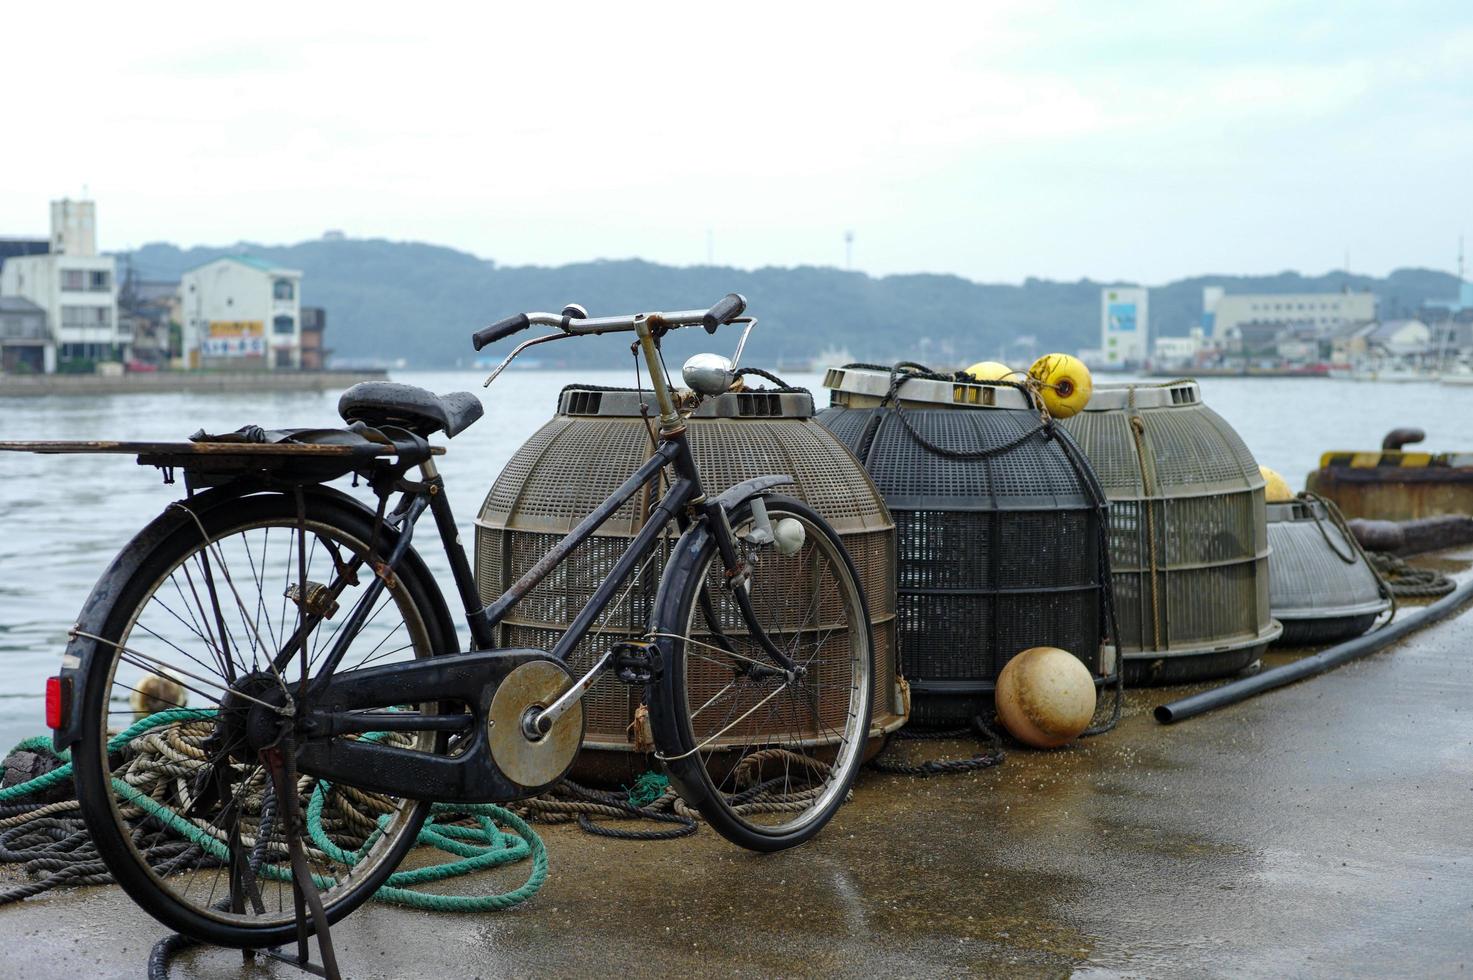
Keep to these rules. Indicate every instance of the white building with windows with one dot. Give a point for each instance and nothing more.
(240, 312)
(76, 287)
(1124, 326)
(1326, 312)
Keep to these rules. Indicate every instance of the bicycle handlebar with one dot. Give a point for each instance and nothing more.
(726, 309)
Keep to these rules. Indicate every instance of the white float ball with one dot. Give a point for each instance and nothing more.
(1045, 697)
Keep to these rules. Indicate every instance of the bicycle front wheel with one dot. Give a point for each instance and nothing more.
(767, 753)
(184, 816)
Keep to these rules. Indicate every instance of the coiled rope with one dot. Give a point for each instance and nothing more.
(50, 840)
(1407, 582)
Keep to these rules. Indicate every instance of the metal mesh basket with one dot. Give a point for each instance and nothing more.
(575, 461)
(1320, 587)
(1188, 542)
(997, 554)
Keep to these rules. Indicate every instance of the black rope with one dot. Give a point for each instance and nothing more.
(994, 756)
(686, 827)
(1408, 582)
(769, 376)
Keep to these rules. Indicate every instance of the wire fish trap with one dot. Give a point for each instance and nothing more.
(1188, 538)
(999, 552)
(569, 466)
(1320, 585)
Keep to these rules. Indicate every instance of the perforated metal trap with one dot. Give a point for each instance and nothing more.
(574, 462)
(1188, 541)
(1320, 587)
(997, 554)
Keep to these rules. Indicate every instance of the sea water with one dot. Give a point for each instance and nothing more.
(62, 518)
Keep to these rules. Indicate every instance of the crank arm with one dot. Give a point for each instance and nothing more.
(541, 723)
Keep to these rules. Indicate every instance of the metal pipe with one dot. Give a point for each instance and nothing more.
(1325, 660)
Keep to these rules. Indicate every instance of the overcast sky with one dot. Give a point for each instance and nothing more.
(991, 140)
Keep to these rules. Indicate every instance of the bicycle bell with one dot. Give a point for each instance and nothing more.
(708, 374)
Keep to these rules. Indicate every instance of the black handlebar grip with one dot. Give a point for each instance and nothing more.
(499, 330)
(729, 306)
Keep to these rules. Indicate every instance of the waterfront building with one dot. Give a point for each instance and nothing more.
(314, 323)
(242, 313)
(26, 346)
(1173, 351)
(1124, 326)
(77, 289)
(1229, 315)
(1377, 340)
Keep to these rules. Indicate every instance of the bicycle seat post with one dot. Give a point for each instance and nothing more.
(644, 327)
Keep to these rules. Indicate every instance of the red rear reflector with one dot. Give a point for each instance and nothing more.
(55, 705)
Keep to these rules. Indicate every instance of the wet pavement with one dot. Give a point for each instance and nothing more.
(1324, 829)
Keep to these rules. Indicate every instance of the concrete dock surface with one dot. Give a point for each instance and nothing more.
(1322, 830)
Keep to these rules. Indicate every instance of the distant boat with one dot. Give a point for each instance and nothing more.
(1459, 374)
(1394, 374)
(831, 357)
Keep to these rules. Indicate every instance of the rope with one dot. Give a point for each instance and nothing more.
(51, 842)
(1357, 552)
(768, 376)
(1407, 582)
(940, 767)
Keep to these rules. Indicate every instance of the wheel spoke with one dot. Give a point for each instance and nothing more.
(188, 798)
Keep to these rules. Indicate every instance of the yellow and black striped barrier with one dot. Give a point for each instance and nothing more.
(1394, 458)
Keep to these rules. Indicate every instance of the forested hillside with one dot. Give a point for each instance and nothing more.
(421, 302)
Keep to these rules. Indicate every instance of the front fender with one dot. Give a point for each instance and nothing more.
(76, 660)
(733, 497)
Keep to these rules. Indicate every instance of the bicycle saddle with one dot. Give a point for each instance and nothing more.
(422, 412)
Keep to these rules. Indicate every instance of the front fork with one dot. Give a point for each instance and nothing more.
(739, 573)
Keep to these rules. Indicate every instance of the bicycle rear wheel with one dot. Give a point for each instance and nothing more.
(766, 754)
(184, 816)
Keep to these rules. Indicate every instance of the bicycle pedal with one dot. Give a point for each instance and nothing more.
(636, 662)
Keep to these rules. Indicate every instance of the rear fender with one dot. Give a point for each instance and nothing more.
(76, 660)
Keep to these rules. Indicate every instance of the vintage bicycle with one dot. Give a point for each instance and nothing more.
(315, 668)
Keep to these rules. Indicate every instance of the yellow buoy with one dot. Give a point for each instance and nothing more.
(1045, 697)
(990, 371)
(1064, 382)
(1275, 488)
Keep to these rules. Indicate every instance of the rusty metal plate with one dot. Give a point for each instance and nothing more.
(533, 685)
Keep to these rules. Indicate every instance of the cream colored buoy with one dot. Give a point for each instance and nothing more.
(1064, 382)
(991, 371)
(1275, 488)
(155, 693)
(1045, 697)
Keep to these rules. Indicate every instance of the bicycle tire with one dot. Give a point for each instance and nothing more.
(154, 556)
(706, 766)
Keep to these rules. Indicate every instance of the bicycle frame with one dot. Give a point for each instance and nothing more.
(472, 775)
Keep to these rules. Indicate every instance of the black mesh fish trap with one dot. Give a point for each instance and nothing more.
(997, 554)
(1188, 542)
(574, 462)
(1319, 585)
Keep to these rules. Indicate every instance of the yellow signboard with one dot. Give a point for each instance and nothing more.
(237, 328)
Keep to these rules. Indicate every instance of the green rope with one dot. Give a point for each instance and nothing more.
(648, 788)
(64, 772)
(479, 847)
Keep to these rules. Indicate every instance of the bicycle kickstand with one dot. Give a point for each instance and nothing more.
(280, 761)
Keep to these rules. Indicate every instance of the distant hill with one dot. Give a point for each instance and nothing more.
(421, 302)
